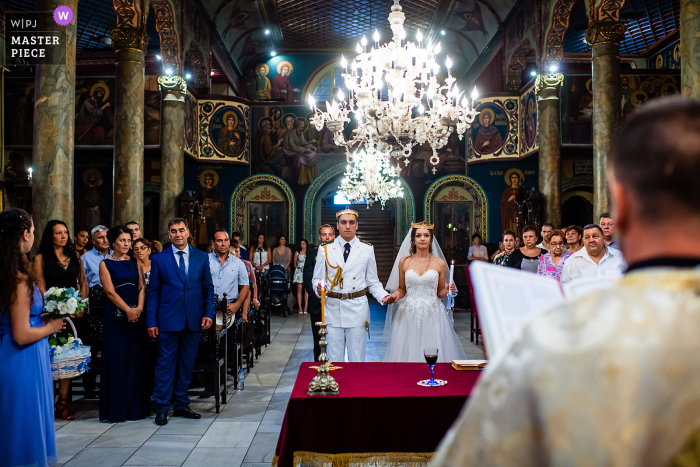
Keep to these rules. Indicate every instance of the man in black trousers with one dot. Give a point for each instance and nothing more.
(326, 234)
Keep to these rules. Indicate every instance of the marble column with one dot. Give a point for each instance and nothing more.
(130, 45)
(172, 143)
(604, 37)
(54, 122)
(547, 89)
(690, 48)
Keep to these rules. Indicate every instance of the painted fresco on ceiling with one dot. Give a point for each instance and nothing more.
(529, 129)
(94, 112)
(577, 101)
(668, 59)
(191, 119)
(241, 28)
(223, 131)
(494, 132)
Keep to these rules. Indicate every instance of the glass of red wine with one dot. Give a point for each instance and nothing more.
(431, 356)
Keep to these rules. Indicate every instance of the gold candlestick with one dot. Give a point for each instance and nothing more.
(323, 383)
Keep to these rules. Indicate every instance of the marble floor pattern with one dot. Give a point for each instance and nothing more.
(244, 434)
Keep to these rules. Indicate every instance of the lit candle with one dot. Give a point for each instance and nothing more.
(452, 272)
(323, 300)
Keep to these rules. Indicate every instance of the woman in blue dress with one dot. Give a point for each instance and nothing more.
(124, 393)
(26, 386)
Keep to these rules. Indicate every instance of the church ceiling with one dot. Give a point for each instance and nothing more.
(647, 21)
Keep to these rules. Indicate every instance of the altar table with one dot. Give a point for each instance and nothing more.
(380, 409)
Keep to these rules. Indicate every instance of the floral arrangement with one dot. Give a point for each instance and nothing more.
(62, 302)
(60, 345)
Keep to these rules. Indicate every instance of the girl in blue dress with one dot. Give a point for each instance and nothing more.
(26, 386)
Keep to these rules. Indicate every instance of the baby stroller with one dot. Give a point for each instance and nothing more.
(278, 289)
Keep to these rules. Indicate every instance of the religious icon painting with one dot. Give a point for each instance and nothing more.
(94, 112)
(490, 129)
(530, 120)
(223, 131)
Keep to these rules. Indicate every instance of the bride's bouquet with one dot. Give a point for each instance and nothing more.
(62, 302)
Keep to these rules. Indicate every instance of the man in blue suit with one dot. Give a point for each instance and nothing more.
(180, 305)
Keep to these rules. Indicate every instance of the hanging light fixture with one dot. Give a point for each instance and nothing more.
(371, 176)
(418, 108)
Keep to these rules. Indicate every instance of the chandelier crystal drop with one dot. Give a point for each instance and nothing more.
(416, 108)
(371, 176)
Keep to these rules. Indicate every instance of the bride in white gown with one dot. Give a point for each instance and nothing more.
(418, 318)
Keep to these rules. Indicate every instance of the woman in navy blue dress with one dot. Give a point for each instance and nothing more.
(124, 379)
(26, 387)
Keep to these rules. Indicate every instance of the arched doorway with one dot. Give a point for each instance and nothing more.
(577, 208)
(382, 228)
(263, 203)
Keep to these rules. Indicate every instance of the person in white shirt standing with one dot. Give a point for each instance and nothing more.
(348, 269)
(594, 260)
(607, 224)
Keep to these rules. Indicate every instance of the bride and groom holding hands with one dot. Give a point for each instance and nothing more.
(346, 271)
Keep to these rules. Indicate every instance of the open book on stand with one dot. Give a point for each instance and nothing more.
(506, 298)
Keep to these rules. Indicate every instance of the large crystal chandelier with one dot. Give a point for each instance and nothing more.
(370, 176)
(418, 108)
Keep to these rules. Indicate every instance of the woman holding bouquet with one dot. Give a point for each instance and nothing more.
(124, 380)
(57, 264)
(26, 386)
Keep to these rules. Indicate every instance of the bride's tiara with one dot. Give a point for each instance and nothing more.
(422, 225)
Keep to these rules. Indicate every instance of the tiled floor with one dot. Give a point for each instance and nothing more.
(244, 434)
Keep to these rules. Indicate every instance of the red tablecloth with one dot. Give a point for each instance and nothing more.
(380, 409)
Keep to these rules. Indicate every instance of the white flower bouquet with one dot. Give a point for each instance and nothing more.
(62, 302)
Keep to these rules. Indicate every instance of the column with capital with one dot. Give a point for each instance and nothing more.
(130, 45)
(690, 48)
(604, 38)
(54, 122)
(172, 142)
(547, 88)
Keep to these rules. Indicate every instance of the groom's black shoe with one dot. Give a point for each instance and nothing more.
(161, 418)
(187, 413)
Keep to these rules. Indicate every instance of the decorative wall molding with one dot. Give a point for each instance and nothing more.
(238, 202)
(474, 189)
(555, 38)
(517, 64)
(166, 25)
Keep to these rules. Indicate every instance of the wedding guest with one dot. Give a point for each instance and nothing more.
(595, 259)
(124, 392)
(157, 246)
(607, 223)
(81, 239)
(326, 234)
(282, 255)
(253, 295)
(236, 236)
(262, 256)
(477, 252)
(498, 252)
(229, 274)
(93, 258)
(143, 251)
(57, 264)
(508, 248)
(298, 279)
(552, 263)
(545, 232)
(527, 257)
(180, 306)
(134, 229)
(573, 234)
(26, 385)
(518, 242)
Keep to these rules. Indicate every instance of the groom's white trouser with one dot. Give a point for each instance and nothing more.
(355, 339)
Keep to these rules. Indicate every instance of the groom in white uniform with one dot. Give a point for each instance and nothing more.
(348, 270)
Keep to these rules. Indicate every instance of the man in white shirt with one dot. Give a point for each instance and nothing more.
(545, 232)
(607, 223)
(594, 260)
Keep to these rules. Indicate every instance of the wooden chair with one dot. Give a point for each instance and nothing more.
(211, 361)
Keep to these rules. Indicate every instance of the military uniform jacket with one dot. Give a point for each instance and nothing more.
(359, 273)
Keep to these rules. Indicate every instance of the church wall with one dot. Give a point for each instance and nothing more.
(492, 178)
